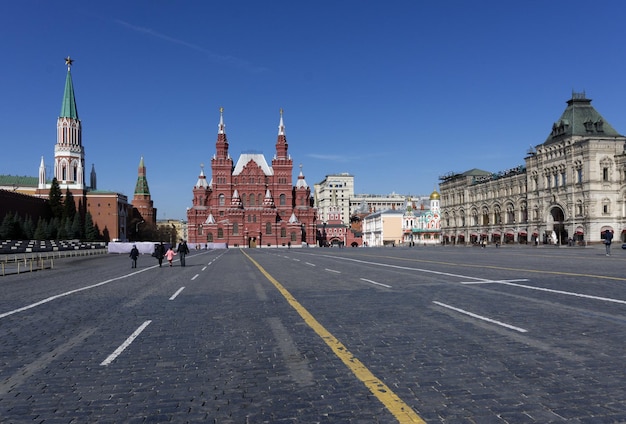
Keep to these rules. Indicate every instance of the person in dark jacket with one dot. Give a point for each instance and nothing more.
(134, 254)
(183, 249)
(159, 253)
(608, 238)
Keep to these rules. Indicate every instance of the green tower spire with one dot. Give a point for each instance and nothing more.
(68, 108)
(141, 187)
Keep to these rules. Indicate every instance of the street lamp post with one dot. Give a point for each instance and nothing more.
(137, 229)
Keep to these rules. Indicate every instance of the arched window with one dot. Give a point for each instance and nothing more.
(268, 228)
(209, 238)
(220, 233)
(293, 236)
(282, 200)
(474, 216)
(221, 199)
(283, 232)
(235, 228)
(251, 199)
(510, 214)
(485, 216)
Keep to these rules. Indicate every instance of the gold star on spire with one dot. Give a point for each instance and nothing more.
(68, 62)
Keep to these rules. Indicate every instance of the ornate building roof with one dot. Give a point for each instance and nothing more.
(257, 158)
(301, 183)
(580, 119)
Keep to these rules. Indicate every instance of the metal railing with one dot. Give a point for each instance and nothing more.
(17, 263)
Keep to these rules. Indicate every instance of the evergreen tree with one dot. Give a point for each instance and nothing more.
(105, 235)
(28, 228)
(40, 231)
(67, 223)
(55, 199)
(52, 229)
(91, 231)
(82, 215)
(76, 230)
(13, 228)
(5, 227)
(61, 232)
(69, 205)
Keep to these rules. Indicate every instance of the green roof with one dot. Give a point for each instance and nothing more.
(580, 119)
(68, 108)
(142, 186)
(475, 172)
(22, 181)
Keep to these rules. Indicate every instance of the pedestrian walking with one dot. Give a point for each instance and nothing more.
(159, 253)
(134, 254)
(608, 238)
(183, 250)
(170, 255)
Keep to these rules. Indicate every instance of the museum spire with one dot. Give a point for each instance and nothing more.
(281, 141)
(221, 146)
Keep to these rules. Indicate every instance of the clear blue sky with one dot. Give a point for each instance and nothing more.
(396, 93)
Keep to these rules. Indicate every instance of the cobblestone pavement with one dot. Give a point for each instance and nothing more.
(457, 335)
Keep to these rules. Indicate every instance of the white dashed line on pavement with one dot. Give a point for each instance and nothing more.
(177, 293)
(124, 345)
(473, 315)
(374, 282)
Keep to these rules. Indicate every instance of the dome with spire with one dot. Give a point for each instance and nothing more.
(434, 195)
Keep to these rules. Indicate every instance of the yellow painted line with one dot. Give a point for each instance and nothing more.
(403, 412)
(536, 271)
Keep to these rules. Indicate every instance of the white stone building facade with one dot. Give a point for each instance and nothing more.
(334, 191)
(571, 190)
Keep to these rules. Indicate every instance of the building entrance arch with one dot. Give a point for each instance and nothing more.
(556, 226)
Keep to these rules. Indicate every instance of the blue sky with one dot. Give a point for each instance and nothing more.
(395, 93)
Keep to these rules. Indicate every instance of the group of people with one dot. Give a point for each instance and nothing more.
(161, 253)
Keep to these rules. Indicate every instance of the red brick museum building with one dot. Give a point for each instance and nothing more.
(250, 203)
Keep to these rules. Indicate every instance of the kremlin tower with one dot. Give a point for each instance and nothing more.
(143, 206)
